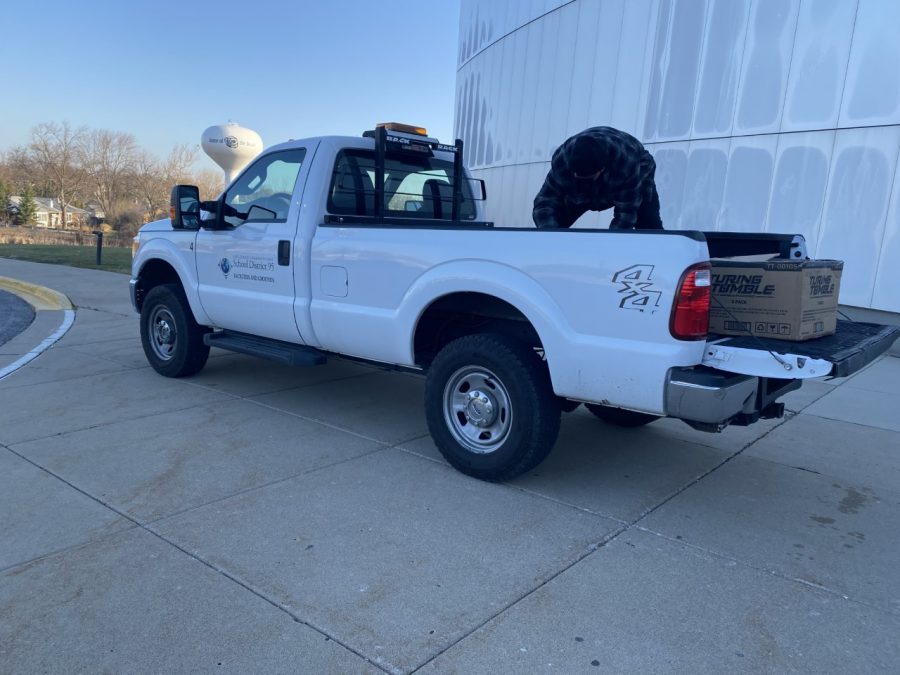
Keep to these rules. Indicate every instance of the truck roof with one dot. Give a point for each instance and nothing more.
(361, 142)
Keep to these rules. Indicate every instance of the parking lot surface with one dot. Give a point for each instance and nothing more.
(257, 518)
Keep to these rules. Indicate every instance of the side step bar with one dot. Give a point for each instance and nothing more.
(266, 348)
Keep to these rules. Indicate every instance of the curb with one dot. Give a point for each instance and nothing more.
(43, 299)
(38, 297)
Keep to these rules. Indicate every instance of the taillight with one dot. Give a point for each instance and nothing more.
(690, 315)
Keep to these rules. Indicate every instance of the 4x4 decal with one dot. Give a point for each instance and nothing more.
(637, 288)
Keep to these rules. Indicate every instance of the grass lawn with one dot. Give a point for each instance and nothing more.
(113, 259)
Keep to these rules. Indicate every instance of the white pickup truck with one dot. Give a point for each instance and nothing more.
(375, 248)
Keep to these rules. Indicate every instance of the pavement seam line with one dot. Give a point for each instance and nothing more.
(576, 507)
(856, 424)
(384, 446)
(68, 549)
(262, 596)
(324, 423)
(80, 491)
(603, 542)
(766, 570)
(635, 524)
(106, 311)
(222, 572)
(108, 424)
(262, 486)
(113, 364)
(592, 549)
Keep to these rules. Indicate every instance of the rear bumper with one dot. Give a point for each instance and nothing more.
(710, 399)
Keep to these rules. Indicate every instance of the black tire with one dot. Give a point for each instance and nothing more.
(490, 407)
(172, 340)
(619, 416)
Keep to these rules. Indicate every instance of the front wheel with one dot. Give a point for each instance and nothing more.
(172, 340)
(490, 407)
(619, 416)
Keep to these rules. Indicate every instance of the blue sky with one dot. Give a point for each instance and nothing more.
(165, 71)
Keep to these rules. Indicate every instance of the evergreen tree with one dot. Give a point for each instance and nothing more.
(4, 203)
(27, 207)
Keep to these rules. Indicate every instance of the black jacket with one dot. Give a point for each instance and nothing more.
(626, 183)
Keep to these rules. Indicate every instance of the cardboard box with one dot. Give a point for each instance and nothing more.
(774, 298)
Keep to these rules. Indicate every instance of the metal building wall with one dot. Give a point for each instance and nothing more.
(763, 115)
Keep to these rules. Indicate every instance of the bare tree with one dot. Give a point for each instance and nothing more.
(153, 179)
(148, 183)
(22, 169)
(210, 182)
(110, 159)
(177, 166)
(55, 149)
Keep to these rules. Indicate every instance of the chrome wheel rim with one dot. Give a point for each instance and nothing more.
(477, 409)
(163, 335)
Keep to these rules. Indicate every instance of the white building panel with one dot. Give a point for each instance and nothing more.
(859, 189)
(801, 177)
(487, 121)
(530, 92)
(562, 76)
(588, 27)
(887, 279)
(704, 185)
(720, 67)
(629, 97)
(763, 115)
(547, 75)
(519, 214)
(748, 184)
(671, 169)
(603, 56)
(766, 63)
(819, 64)
(676, 60)
(509, 101)
(872, 89)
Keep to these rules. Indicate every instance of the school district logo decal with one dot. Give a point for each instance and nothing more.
(225, 266)
(637, 288)
(231, 141)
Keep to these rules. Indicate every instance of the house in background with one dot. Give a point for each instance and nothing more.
(49, 214)
(94, 212)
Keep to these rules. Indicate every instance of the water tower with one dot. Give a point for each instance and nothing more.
(231, 146)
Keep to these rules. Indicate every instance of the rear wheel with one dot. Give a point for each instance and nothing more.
(620, 416)
(490, 407)
(172, 340)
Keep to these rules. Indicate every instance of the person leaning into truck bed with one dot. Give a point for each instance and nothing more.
(597, 169)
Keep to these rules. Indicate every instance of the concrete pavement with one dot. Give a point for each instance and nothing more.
(255, 518)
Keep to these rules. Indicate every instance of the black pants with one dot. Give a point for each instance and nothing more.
(648, 212)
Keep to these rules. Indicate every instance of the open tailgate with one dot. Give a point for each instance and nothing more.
(853, 346)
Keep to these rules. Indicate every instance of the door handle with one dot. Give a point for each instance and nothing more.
(284, 253)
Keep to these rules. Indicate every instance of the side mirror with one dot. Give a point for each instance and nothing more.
(184, 207)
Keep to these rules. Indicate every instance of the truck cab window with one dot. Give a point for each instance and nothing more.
(414, 187)
(263, 192)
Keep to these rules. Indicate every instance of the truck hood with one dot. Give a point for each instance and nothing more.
(161, 225)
